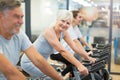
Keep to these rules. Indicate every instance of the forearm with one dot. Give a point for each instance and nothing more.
(89, 46)
(71, 58)
(10, 71)
(48, 69)
(42, 64)
(85, 43)
(14, 74)
(80, 50)
(83, 53)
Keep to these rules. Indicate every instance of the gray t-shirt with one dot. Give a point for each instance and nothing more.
(11, 48)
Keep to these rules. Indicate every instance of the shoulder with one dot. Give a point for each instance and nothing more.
(76, 27)
(49, 32)
(70, 29)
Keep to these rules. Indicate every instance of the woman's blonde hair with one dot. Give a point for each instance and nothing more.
(64, 15)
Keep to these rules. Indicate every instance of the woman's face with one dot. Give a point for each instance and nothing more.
(78, 19)
(63, 24)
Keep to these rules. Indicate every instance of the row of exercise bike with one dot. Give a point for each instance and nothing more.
(98, 70)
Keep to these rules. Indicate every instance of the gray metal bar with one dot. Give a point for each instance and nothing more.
(28, 18)
(67, 4)
(110, 38)
(110, 34)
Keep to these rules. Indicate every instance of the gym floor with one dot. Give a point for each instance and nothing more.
(114, 68)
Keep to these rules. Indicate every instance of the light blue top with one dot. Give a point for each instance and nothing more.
(11, 48)
(45, 49)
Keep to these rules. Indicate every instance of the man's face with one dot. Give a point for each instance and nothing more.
(12, 21)
(78, 18)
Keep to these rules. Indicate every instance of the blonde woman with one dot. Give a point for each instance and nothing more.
(49, 41)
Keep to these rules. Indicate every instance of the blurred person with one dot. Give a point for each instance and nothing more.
(76, 21)
(88, 14)
(49, 41)
(13, 41)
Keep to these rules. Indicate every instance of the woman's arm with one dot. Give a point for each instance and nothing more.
(77, 47)
(83, 53)
(85, 43)
(54, 42)
(41, 63)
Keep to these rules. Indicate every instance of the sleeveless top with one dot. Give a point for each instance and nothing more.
(43, 47)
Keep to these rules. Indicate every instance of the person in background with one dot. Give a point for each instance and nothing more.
(89, 14)
(13, 41)
(76, 21)
(74, 34)
(49, 41)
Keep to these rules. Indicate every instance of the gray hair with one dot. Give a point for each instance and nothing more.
(9, 4)
(64, 15)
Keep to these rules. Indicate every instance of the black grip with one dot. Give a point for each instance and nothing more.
(97, 66)
(101, 59)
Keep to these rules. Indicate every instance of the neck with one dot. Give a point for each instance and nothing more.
(73, 24)
(56, 30)
(5, 35)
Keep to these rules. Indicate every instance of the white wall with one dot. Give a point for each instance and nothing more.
(42, 14)
(23, 9)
